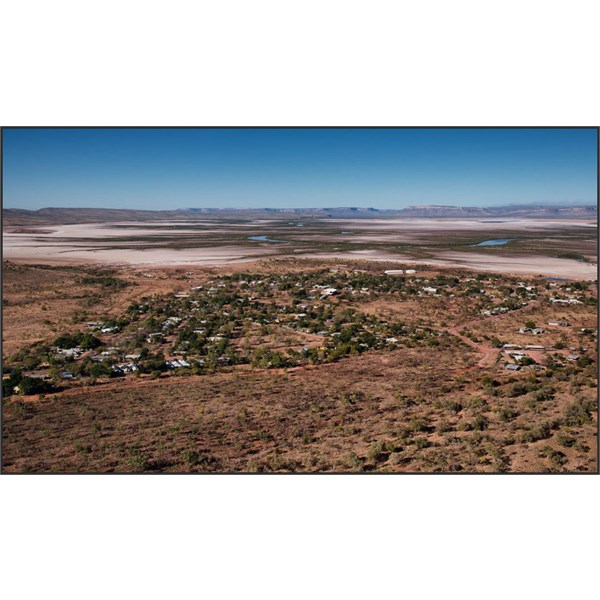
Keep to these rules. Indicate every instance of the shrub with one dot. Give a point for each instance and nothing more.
(508, 414)
(353, 461)
(33, 385)
(87, 341)
(9, 384)
(454, 406)
(405, 401)
(477, 403)
(422, 442)
(541, 431)
(138, 462)
(105, 281)
(545, 394)
(566, 440)
(479, 423)
(381, 450)
(517, 389)
(488, 381)
(192, 458)
(579, 412)
(352, 397)
(100, 370)
(418, 424)
(443, 426)
(556, 457)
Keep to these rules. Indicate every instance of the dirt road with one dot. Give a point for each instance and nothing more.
(490, 354)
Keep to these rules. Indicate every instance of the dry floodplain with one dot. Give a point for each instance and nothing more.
(549, 247)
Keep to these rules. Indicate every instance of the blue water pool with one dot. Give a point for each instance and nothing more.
(264, 238)
(499, 242)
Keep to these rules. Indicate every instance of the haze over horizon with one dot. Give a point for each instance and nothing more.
(166, 169)
(315, 208)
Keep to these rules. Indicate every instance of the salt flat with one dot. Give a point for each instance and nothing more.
(542, 246)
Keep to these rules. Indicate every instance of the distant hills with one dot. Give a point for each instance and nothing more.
(532, 211)
(528, 212)
(48, 216)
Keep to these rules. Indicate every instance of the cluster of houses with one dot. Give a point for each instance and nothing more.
(155, 337)
(178, 363)
(224, 293)
(171, 322)
(523, 347)
(125, 368)
(400, 272)
(515, 352)
(498, 310)
(532, 330)
(69, 352)
(519, 357)
(565, 301)
(325, 290)
(101, 327)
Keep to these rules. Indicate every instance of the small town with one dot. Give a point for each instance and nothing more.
(290, 320)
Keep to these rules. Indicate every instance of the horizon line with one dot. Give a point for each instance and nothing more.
(306, 208)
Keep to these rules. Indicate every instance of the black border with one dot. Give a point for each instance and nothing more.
(372, 473)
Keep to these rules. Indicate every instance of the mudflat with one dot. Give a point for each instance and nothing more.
(549, 247)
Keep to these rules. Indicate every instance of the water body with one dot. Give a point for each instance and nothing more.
(265, 238)
(556, 279)
(499, 242)
(347, 232)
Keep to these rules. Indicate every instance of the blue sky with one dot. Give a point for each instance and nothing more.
(381, 168)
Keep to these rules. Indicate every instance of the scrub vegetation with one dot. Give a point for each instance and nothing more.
(287, 365)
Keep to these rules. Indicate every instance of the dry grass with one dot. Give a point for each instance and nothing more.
(415, 409)
(406, 411)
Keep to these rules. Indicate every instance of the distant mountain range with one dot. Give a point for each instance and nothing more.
(48, 216)
(531, 211)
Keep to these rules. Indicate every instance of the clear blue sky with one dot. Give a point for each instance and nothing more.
(381, 168)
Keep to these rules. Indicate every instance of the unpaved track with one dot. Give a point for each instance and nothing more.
(490, 354)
